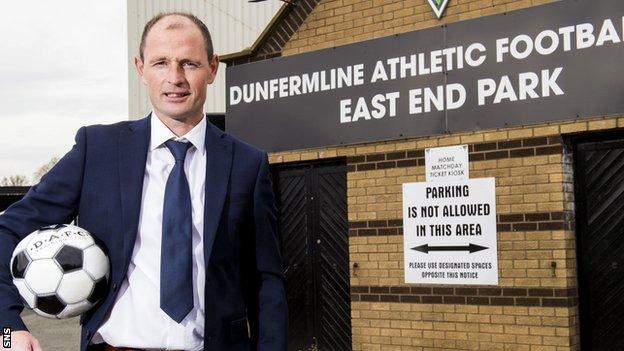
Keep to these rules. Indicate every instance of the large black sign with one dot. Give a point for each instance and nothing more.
(552, 62)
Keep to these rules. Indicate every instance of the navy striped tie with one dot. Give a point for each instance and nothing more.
(176, 280)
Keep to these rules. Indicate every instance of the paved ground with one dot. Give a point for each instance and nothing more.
(53, 334)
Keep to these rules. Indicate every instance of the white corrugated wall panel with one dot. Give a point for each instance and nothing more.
(233, 24)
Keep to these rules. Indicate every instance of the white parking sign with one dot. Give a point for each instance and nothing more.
(449, 232)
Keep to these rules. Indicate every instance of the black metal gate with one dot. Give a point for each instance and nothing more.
(312, 200)
(599, 170)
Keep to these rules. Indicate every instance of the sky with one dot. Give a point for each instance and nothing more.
(63, 65)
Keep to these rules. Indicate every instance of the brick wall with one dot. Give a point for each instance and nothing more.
(339, 22)
(535, 306)
(388, 326)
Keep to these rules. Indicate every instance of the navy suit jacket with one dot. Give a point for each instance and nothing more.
(100, 180)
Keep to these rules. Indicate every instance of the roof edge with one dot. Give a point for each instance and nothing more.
(250, 51)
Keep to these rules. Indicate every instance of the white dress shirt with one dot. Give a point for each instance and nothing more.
(136, 319)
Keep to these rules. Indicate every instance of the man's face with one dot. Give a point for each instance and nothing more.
(175, 69)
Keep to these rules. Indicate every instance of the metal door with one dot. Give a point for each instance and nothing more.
(313, 229)
(599, 170)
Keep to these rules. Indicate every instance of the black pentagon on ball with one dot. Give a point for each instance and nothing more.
(50, 304)
(99, 291)
(20, 262)
(53, 226)
(69, 258)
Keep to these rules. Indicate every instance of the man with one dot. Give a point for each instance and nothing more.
(185, 211)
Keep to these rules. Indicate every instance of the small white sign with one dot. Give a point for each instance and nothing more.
(449, 232)
(447, 163)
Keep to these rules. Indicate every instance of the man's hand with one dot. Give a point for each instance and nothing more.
(22, 340)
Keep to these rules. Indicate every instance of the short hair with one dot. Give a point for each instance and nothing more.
(202, 28)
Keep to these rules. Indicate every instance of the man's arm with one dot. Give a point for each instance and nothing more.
(54, 200)
(273, 310)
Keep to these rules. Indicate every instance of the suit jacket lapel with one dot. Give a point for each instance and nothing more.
(218, 167)
(133, 147)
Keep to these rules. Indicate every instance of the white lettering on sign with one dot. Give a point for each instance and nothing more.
(548, 41)
(505, 91)
(449, 97)
(381, 105)
(538, 83)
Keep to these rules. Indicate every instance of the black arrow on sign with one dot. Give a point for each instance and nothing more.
(471, 247)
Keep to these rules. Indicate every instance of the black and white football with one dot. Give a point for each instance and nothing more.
(60, 271)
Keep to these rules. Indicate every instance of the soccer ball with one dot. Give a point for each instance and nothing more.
(60, 271)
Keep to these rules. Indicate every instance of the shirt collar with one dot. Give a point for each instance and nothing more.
(161, 133)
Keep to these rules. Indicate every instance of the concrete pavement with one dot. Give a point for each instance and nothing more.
(54, 334)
